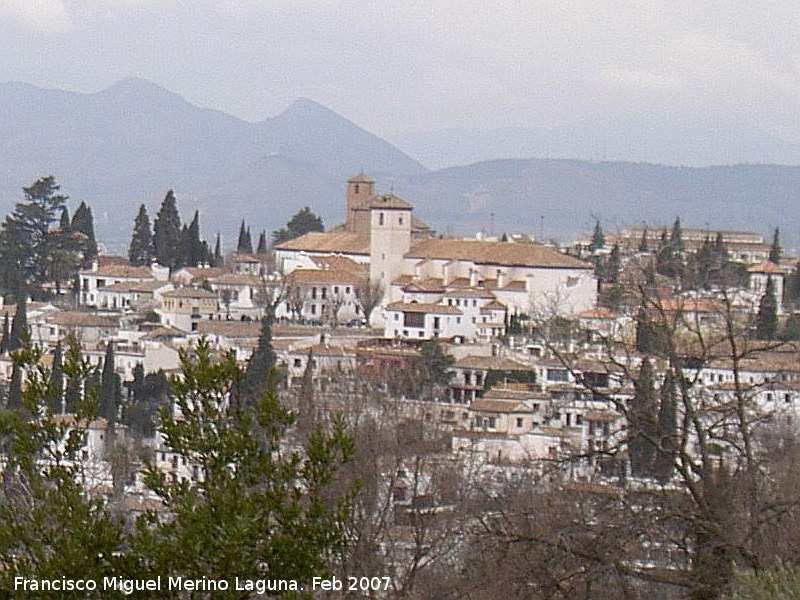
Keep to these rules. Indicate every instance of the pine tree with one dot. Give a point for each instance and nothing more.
(642, 417)
(245, 243)
(767, 317)
(166, 232)
(775, 250)
(304, 221)
(261, 363)
(83, 222)
(262, 243)
(140, 251)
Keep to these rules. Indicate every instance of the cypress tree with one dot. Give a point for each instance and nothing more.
(109, 388)
(642, 416)
(14, 401)
(6, 333)
(598, 237)
(257, 375)
(83, 222)
(166, 232)
(775, 250)
(64, 222)
(676, 237)
(19, 325)
(767, 317)
(140, 250)
(56, 381)
(245, 243)
(218, 252)
(644, 245)
(262, 243)
(667, 430)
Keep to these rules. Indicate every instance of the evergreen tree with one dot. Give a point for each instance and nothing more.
(83, 222)
(63, 224)
(614, 265)
(218, 252)
(14, 401)
(775, 250)
(667, 430)
(644, 244)
(6, 335)
(304, 221)
(166, 232)
(262, 243)
(245, 243)
(26, 237)
(56, 390)
(767, 317)
(598, 237)
(676, 237)
(109, 388)
(642, 417)
(140, 250)
(261, 363)
(19, 326)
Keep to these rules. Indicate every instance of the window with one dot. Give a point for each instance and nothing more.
(400, 221)
(557, 375)
(519, 422)
(298, 363)
(347, 290)
(313, 293)
(324, 293)
(380, 218)
(313, 309)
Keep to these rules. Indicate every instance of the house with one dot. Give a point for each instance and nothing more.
(324, 295)
(184, 307)
(240, 295)
(99, 277)
(760, 274)
(130, 295)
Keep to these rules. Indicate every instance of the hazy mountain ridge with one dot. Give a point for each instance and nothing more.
(131, 142)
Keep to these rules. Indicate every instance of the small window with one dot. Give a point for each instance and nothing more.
(380, 218)
(519, 422)
(400, 221)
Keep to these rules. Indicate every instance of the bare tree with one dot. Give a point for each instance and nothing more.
(370, 295)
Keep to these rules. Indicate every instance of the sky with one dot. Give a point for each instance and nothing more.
(394, 67)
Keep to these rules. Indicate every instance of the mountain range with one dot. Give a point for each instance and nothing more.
(130, 143)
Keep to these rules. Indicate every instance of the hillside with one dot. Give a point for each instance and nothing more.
(131, 142)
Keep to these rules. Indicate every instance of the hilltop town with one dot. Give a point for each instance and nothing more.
(619, 409)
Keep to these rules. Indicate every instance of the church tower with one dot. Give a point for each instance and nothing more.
(359, 189)
(390, 238)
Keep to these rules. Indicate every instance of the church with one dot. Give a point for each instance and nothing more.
(435, 286)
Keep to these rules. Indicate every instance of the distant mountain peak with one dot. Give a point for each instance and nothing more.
(136, 88)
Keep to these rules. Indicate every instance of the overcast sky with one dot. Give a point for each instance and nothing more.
(408, 65)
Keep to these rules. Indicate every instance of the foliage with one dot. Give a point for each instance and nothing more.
(642, 422)
(767, 317)
(83, 223)
(49, 526)
(775, 250)
(166, 232)
(598, 237)
(245, 243)
(257, 509)
(29, 244)
(261, 363)
(777, 583)
(262, 243)
(304, 221)
(140, 250)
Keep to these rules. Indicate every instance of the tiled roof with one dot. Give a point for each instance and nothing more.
(334, 242)
(597, 313)
(468, 293)
(388, 202)
(236, 279)
(231, 329)
(494, 253)
(497, 363)
(499, 406)
(360, 178)
(81, 319)
(340, 263)
(767, 267)
(308, 276)
(422, 307)
(190, 292)
(114, 270)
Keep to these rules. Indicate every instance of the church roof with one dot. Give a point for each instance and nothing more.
(333, 242)
(494, 253)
